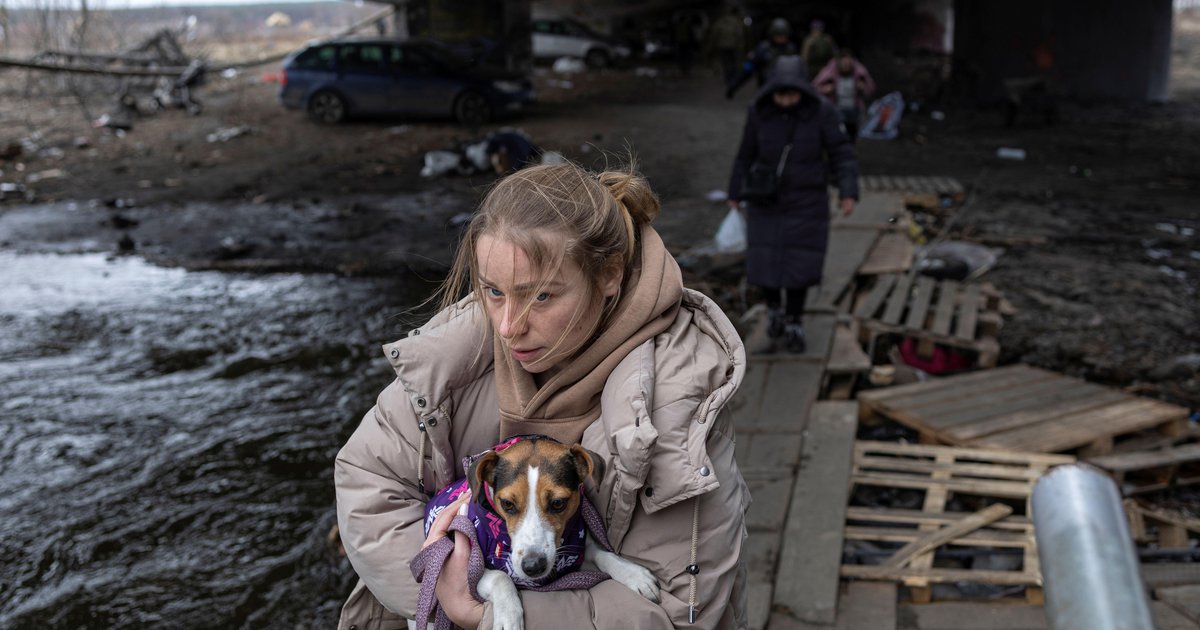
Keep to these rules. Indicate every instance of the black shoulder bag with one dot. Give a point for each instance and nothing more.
(761, 184)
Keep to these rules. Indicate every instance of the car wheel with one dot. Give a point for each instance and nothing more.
(596, 58)
(472, 108)
(327, 107)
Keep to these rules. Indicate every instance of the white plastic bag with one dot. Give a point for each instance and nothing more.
(731, 236)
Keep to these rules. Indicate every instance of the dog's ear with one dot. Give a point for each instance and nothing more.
(585, 462)
(483, 473)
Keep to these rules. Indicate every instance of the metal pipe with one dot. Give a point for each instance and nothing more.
(1089, 567)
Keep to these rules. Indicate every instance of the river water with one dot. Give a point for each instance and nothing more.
(167, 439)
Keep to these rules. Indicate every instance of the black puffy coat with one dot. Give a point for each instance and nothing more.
(787, 239)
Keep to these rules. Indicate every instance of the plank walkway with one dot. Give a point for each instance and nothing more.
(796, 454)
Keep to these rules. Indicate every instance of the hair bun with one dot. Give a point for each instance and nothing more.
(633, 191)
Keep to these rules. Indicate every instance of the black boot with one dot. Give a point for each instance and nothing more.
(793, 332)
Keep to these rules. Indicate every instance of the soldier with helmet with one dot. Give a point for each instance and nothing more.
(760, 60)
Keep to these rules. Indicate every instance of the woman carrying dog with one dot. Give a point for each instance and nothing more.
(794, 137)
(575, 325)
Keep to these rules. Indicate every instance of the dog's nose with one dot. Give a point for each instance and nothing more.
(534, 566)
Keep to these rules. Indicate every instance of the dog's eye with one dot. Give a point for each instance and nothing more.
(558, 505)
(508, 506)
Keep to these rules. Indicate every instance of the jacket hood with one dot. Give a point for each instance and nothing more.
(789, 71)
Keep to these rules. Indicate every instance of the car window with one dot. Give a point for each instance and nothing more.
(315, 58)
(411, 60)
(576, 30)
(361, 57)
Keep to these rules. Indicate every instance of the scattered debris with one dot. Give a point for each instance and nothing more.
(54, 173)
(1010, 153)
(126, 243)
(226, 134)
(717, 196)
(560, 83)
(122, 222)
(501, 151)
(11, 151)
(82, 142)
(569, 65)
(646, 72)
(883, 118)
(955, 260)
(10, 190)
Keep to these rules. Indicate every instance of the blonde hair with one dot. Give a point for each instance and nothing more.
(556, 214)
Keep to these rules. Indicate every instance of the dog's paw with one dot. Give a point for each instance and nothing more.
(631, 574)
(507, 612)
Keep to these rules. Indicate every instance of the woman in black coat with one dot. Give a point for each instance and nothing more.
(787, 237)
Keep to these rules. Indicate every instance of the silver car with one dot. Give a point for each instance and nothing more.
(567, 38)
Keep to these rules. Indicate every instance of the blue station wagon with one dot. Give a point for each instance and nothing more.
(334, 80)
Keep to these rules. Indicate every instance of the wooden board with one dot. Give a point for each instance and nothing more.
(852, 243)
(807, 584)
(994, 477)
(1185, 599)
(866, 605)
(976, 616)
(1020, 408)
(892, 253)
(847, 356)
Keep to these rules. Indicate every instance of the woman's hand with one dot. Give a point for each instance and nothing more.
(453, 592)
(847, 206)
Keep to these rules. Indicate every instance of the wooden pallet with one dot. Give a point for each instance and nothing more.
(1151, 470)
(947, 313)
(1166, 528)
(912, 184)
(1021, 408)
(999, 478)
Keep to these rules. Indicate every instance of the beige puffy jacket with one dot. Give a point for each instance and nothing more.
(670, 487)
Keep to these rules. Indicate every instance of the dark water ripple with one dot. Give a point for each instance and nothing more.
(166, 440)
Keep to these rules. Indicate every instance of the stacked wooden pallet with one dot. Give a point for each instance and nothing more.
(946, 313)
(1024, 408)
(911, 184)
(999, 478)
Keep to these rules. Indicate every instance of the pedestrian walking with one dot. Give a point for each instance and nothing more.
(791, 141)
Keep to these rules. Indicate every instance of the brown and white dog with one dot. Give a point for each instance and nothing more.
(534, 485)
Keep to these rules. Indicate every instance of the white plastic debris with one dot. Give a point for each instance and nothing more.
(438, 163)
(229, 73)
(478, 156)
(560, 83)
(569, 65)
(645, 71)
(54, 173)
(553, 157)
(226, 134)
(1010, 153)
(717, 196)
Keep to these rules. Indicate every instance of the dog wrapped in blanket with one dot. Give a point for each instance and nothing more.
(528, 526)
